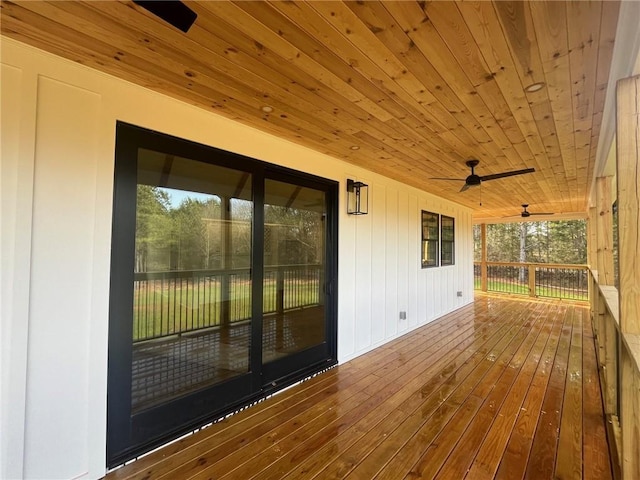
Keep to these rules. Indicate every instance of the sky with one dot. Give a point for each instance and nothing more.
(178, 196)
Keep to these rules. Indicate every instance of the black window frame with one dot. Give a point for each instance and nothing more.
(444, 241)
(424, 244)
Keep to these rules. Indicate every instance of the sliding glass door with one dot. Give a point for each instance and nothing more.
(223, 270)
(296, 320)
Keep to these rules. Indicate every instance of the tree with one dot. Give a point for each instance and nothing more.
(538, 242)
(153, 228)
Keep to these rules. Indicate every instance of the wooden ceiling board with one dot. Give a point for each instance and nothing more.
(419, 87)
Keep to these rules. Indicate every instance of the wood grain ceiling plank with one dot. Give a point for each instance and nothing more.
(375, 17)
(247, 24)
(472, 114)
(455, 33)
(36, 35)
(414, 115)
(352, 39)
(278, 36)
(483, 22)
(343, 45)
(584, 39)
(323, 59)
(213, 62)
(550, 21)
(380, 22)
(356, 34)
(368, 124)
(608, 26)
(519, 32)
(103, 29)
(414, 21)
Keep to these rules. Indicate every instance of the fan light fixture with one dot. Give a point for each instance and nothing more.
(357, 198)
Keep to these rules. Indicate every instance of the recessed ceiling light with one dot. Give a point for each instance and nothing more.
(534, 87)
(354, 147)
(267, 109)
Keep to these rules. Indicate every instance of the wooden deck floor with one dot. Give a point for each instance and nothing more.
(504, 388)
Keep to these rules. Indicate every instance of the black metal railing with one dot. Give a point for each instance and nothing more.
(562, 282)
(533, 279)
(175, 302)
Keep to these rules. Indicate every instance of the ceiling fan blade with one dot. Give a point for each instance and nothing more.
(546, 213)
(447, 178)
(507, 174)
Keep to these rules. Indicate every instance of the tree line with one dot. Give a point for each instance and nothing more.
(563, 241)
(198, 234)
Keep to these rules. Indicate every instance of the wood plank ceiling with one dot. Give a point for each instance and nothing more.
(407, 89)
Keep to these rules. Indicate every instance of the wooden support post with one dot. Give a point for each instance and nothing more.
(592, 239)
(628, 179)
(532, 280)
(604, 231)
(225, 280)
(483, 260)
(600, 339)
(610, 334)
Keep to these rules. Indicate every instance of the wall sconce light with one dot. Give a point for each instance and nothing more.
(357, 198)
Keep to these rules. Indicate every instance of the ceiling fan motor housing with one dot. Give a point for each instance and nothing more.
(473, 180)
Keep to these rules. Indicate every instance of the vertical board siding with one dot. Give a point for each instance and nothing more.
(15, 238)
(403, 260)
(414, 260)
(60, 300)
(61, 263)
(363, 254)
(378, 263)
(391, 270)
(346, 279)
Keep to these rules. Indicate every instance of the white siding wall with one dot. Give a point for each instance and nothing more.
(58, 134)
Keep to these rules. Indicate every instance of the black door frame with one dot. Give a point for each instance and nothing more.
(131, 435)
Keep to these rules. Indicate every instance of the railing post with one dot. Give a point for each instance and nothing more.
(532, 280)
(225, 306)
(610, 364)
(280, 308)
(483, 263)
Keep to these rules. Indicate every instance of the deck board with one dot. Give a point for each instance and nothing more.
(503, 388)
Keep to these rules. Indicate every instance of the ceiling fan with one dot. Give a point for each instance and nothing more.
(526, 214)
(474, 180)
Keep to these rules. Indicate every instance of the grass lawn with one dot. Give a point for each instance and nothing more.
(166, 308)
(541, 291)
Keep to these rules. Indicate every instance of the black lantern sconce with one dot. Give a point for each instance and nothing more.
(357, 198)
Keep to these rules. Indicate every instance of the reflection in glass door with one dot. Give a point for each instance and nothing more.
(192, 281)
(294, 244)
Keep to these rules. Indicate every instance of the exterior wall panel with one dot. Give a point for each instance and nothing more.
(65, 269)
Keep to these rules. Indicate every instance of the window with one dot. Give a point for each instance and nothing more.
(447, 242)
(438, 240)
(430, 239)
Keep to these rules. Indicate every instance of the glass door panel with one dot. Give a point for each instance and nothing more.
(222, 277)
(192, 277)
(294, 269)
